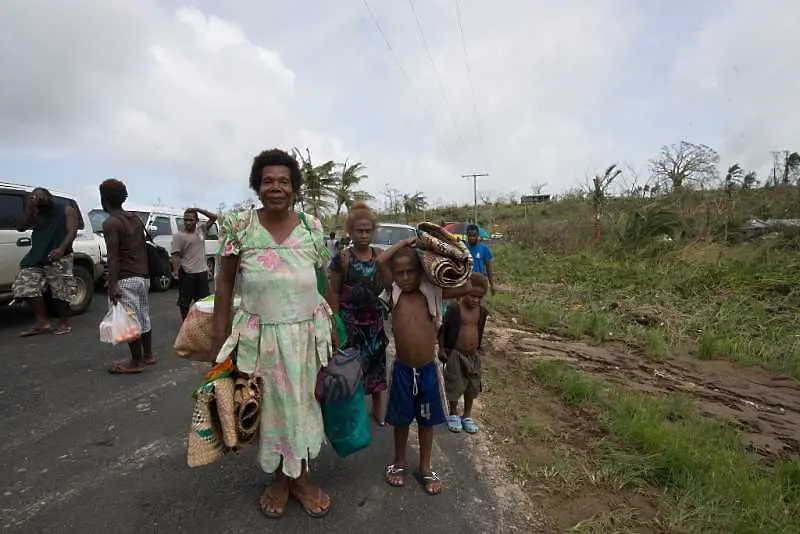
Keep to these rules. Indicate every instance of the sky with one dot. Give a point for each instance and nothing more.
(176, 98)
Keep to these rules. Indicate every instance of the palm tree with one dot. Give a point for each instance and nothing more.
(600, 185)
(413, 204)
(319, 184)
(345, 193)
(750, 180)
(733, 177)
(791, 163)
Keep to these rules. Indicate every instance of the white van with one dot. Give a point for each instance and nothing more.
(162, 223)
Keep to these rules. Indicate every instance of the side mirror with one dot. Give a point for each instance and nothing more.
(152, 230)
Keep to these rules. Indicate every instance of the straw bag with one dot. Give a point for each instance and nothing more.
(227, 414)
(205, 441)
(194, 337)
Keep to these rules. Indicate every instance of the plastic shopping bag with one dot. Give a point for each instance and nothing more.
(119, 326)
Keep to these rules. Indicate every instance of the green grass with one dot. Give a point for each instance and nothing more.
(740, 304)
(711, 483)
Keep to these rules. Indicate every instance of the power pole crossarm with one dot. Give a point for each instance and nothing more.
(475, 177)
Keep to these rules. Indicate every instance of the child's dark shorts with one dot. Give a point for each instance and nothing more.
(416, 393)
(462, 375)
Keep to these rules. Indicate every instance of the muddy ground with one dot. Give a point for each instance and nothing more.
(766, 408)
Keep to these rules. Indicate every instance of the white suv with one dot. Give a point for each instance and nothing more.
(15, 244)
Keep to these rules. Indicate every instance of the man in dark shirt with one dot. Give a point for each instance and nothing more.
(49, 261)
(128, 272)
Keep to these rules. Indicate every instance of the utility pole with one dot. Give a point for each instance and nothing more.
(474, 177)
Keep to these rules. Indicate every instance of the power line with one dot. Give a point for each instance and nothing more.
(469, 76)
(433, 64)
(475, 177)
(397, 60)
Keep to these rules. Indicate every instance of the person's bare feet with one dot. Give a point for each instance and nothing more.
(314, 501)
(273, 500)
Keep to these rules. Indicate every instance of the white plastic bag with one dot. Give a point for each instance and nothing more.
(119, 326)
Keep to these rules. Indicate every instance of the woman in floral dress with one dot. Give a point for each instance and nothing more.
(355, 287)
(282, 330)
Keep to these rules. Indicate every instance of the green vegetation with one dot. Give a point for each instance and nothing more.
(710, 482)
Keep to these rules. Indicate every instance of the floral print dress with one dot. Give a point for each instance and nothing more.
(283, 333)
(362, 313)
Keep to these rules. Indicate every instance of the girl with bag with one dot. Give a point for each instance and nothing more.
(281, 333)
(355, 289)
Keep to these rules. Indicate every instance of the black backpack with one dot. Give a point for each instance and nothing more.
(157, 259)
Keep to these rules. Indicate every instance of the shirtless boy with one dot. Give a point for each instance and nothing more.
(459, 343)
(415, 390)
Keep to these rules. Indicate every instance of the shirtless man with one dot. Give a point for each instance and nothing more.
(415, 391)
(459, 342)
(128, 272)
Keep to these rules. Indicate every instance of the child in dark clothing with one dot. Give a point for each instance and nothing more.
(460, 340)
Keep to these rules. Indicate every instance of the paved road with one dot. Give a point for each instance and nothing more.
(83, 451)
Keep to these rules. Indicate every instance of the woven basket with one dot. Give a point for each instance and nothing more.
(226, 410)
(194, 338)
(205, 443)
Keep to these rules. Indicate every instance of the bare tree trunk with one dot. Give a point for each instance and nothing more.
(596, 222)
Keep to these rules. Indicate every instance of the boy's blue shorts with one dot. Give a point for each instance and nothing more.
(416, 393)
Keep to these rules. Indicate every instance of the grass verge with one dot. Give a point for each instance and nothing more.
(740, 304)
(706, 480)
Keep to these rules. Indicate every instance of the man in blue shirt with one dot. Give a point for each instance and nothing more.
(481, 255)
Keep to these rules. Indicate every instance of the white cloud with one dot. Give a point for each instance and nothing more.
(562, 88)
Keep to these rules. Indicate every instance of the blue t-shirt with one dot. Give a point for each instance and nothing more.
(480, 255)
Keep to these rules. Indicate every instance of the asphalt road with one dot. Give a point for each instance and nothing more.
(83, 451)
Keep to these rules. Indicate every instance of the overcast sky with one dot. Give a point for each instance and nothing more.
(176, 98)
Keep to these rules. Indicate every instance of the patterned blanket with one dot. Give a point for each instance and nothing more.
(445, 259)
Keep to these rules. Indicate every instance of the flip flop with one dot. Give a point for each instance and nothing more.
(149, 361)
(454, 423)
(428, 481)
(314, 513)
(122, 369)
(469, 425)
(277, 514)
(395, 471)
(30, 332)
(60, 331)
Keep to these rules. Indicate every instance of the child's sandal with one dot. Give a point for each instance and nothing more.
(454, 423)
(395, 476)
(469, 425)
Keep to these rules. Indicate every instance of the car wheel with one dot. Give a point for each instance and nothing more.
(210, 266)
(161, 283)
(84, 290)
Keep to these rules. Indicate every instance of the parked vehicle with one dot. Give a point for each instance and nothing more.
(387, 234)
(161, 224)
(88, 267)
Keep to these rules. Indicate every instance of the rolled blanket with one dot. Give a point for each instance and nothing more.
(445, 259)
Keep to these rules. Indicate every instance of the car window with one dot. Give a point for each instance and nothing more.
(162, 226)
(11, 209)
(64, 202)
(213, 232)
(389, 235)
(96, 219)
(179, 223)
(143, 215)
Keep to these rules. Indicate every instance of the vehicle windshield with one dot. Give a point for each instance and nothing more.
(97, 217)
(389, 235)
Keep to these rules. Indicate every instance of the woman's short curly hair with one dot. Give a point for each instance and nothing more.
(275, 157)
